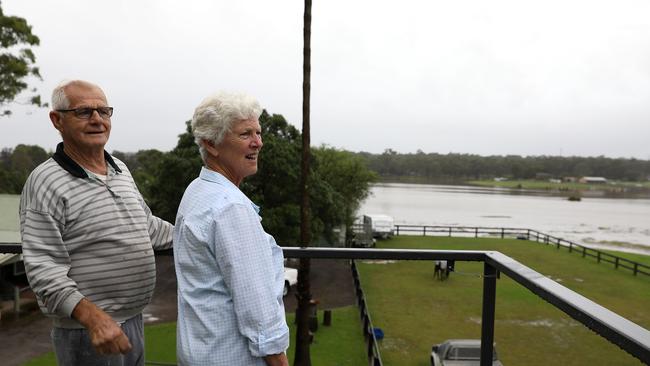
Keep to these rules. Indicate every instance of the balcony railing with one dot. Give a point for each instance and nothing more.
(629, 336)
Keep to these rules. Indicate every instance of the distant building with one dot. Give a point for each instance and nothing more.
(500, 179)
(570, 179)
(593, 180)
(553, 180)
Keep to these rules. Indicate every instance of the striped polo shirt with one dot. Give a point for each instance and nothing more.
(87, 237)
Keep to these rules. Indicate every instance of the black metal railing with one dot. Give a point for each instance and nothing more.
(634, 267)
(372, 347)
(629, 336)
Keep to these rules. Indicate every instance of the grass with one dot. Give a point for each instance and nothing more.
(564, 186)
(340, 344)
(416, 311)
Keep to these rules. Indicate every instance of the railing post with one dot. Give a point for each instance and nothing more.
(487, 322)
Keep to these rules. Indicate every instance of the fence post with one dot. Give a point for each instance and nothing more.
(636, 268)
(570, 247)
(450, 231)
(476, 232)
(598, 256)
(397, 226)
(584, 252)
(616, 263)
(424, 230)
(487, 322)
(558, 244)
(528, 234)
(502, 233)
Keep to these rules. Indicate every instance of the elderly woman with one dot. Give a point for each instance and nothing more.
(230, 272)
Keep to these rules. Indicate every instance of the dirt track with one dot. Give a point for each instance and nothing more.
(28, 336)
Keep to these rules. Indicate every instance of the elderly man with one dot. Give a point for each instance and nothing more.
(230, 272)
(88, 237)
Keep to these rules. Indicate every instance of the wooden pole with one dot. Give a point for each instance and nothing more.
(302, 355)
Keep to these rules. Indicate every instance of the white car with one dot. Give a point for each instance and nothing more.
(460, 352)
(290, 279)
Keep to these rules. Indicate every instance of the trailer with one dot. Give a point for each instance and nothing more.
(381, 226)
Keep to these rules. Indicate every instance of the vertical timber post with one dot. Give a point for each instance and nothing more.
(302, 354)
(489, 304)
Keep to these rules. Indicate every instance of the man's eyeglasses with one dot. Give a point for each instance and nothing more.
(87, 112)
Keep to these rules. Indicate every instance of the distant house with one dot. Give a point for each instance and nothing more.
(556, 181)
(500, 179)
(593, 180)
(570, 179)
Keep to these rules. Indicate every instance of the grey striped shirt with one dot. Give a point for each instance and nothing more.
(83, 237)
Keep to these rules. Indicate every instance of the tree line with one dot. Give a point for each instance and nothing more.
(340, 180)
(462, 167)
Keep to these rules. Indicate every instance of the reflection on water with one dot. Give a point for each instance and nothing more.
(593, 221)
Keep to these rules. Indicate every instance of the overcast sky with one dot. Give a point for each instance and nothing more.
(467, 76)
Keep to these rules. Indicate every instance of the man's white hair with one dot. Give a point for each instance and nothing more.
(60, 99)
(216, 114)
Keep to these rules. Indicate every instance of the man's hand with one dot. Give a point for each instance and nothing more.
(105, 334)
(277, 360)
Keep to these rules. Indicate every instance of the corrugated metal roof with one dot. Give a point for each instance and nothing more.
(10, 258)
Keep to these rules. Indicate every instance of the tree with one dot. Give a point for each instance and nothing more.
(349, 179)
(275, 186)
(17, 164)
(17, 61)
(175, 171)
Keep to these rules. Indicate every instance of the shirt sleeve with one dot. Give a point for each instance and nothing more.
(160, 231)
(244, 255)
(47, 263)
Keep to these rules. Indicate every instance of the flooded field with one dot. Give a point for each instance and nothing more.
(615, 223)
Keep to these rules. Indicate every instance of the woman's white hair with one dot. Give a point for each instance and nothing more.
(60, 99)
(216, 114)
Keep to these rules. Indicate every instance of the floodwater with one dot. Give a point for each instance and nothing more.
(608, 223)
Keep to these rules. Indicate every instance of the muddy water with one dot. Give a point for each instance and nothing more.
(617, 223)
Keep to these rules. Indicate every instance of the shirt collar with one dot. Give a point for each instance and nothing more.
(216, 177)
(75, 169)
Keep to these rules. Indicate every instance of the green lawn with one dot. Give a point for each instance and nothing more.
(564, 186)
(415, 311)
(340, 344)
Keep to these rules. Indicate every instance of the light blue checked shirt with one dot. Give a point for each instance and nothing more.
(230, 278)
